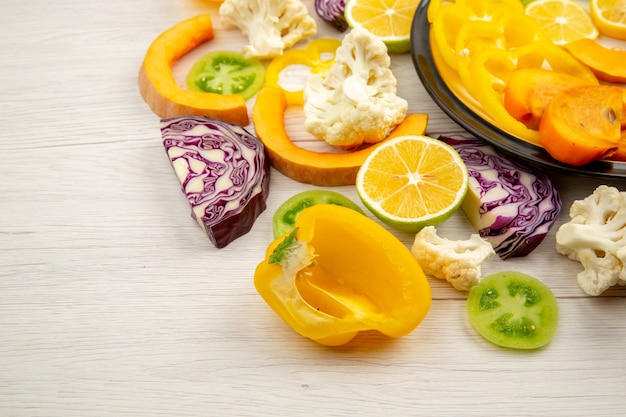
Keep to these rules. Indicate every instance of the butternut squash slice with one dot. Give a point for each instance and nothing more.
(608, 64)
(160, 90)
(582, 124)
(306, 166)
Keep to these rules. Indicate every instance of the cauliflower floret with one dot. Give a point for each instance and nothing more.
(271, 26)
(457, 261)
(596, 237)
(355, 102)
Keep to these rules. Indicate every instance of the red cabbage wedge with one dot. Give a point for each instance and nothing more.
(223, 172)
(332, 12)
(511, 205)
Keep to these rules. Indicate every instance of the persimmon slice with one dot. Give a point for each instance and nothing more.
(608, 64)
(529, 90)
(582, 124)
(620, 153)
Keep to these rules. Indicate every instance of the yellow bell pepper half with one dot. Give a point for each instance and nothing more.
(338, 273)
(319, 55)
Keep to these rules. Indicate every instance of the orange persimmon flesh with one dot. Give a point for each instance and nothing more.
(623, 109)
(620, 153)
(608, 64)
(307, 166)
(529, 90)
(160, 90)
(582, 124)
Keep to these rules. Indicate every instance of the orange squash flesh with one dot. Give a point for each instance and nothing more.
(529, 90)
(608, 64)
(159, 89)
(582, 124)
(413, 124)
(306, 166)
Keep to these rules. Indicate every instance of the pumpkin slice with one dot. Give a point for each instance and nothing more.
(608, 64)
(582, 124)
(306, 166)
(165, 97)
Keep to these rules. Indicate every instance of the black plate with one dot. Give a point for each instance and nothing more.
(476, 125)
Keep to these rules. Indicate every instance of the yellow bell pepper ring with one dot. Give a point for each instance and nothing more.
(319, 55)
(338, 273)
(510, 31)
(491, 68)
(448, 18)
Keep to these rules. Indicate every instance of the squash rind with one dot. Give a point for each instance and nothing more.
(159, 89)
(303, 165)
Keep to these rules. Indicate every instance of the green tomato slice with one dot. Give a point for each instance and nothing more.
(287, 213)
(226, 72)
(513, 310)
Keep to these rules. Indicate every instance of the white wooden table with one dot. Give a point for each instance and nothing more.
(113, 302)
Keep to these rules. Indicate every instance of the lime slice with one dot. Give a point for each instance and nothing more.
(413, 181)
(390, 20)
(563, 21)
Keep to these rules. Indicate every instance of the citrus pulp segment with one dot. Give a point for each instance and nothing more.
(390, 20)
(563, 21)
(412, 181)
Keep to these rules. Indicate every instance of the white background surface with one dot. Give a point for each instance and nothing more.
(113, 302)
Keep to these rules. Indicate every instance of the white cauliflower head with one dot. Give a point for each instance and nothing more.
(596, 237)
(356, 101)
(271, 25)
(457, 261)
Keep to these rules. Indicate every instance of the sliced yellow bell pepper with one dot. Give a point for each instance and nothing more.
(338, 273)
(477, 44)
(449, 18)
(492, 9)
(491, 68)
(447, 22)
(314, 55)
(511, 30)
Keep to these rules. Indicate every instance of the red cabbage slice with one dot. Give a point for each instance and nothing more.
(510, 204)
(332, 12)
(223, 171)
